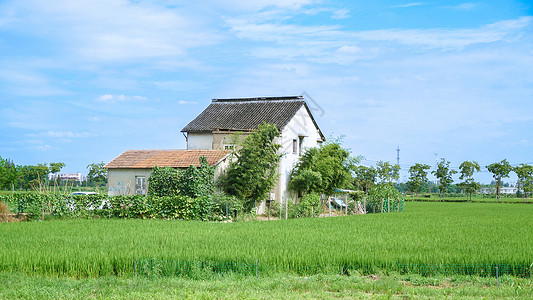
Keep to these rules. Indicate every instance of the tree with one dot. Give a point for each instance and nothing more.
(8, 174)
(525, 178)
(331, 161)
(33, 177)
(97, 173)
(253, 174)
(499, 170)
(364, 177)
(55, 167)
(417, 177)
(387, 173)
(305, 182)
(467, 169)
(444, 175)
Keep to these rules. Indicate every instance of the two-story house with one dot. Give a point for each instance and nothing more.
(215, 132)
(224, 120)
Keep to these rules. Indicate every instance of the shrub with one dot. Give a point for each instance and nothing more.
(309, 206)
(163, 182)
(380, 196)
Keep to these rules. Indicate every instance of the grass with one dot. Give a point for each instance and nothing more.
(478, 198)
(21, 286)
(433, 233)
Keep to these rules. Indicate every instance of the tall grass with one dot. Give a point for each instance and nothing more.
(434, 233)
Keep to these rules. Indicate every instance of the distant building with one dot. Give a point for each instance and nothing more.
(66, 176)
(503, 190)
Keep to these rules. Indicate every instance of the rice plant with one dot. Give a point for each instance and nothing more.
(426, 233)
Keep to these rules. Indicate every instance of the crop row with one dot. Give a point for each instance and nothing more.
(427, 233)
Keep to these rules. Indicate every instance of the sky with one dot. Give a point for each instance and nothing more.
(82, 81)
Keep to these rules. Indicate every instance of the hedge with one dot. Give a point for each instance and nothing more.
(205, 208)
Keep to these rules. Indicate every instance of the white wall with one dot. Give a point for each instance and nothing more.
(122, 181)
(300, 125)
(199, 141)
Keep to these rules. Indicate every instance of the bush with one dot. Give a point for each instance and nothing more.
(309, 206)
(380, 196)
(138, 206)
(163, 182)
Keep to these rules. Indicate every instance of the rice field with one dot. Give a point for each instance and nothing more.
(426, 233)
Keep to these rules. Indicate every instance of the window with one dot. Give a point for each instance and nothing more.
(294, 146)
(229, 147)
(140, 185)
(301, 138)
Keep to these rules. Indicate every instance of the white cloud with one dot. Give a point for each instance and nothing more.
(186, 102)
(119, 98)
(43, 147)
(22, 79)
(409, 4)
(333, 44)
(466, 6)
(341, 14)
(257, 5)
(103, 31)
(66, 134)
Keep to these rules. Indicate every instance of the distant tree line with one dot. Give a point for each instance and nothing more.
(35, 177)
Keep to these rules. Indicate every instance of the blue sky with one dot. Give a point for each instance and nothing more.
(82, 81)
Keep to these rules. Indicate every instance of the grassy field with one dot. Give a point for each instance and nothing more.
(22, 286)
(479, 198)
(434, 233)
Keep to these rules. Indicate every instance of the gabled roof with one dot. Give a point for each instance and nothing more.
(147, 159)
(245, 114)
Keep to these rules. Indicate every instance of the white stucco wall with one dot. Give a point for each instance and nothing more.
(300, 125)
(199, 141)
(122, 181)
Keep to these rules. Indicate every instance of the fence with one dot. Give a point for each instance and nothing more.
(208, 269)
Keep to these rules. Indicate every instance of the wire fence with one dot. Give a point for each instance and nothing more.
(207, 269)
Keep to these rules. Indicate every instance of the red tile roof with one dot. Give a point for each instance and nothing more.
(147, 159)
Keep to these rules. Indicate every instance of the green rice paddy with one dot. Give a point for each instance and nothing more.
(426, 233)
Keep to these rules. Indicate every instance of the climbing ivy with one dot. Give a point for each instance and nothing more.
(192, 182)
(197, 182)
(163, 182)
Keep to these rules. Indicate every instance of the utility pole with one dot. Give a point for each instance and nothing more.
(398, 161)
(436, 163)
(398, 156)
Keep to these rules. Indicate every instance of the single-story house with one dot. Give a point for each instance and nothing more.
(128, 173)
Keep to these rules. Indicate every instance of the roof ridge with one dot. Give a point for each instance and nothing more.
(259, 99)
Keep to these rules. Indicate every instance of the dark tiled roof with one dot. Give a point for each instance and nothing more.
(147, 159)
(246, 113)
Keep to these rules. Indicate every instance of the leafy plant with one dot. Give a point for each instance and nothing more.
(163, 182)
(444, 174)
(197, 182)
(499, 170)
(386, 172)
(253, 174)
(309, 206)
(384, 198)
(467, 171)
(331, 161)
(417, 177)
